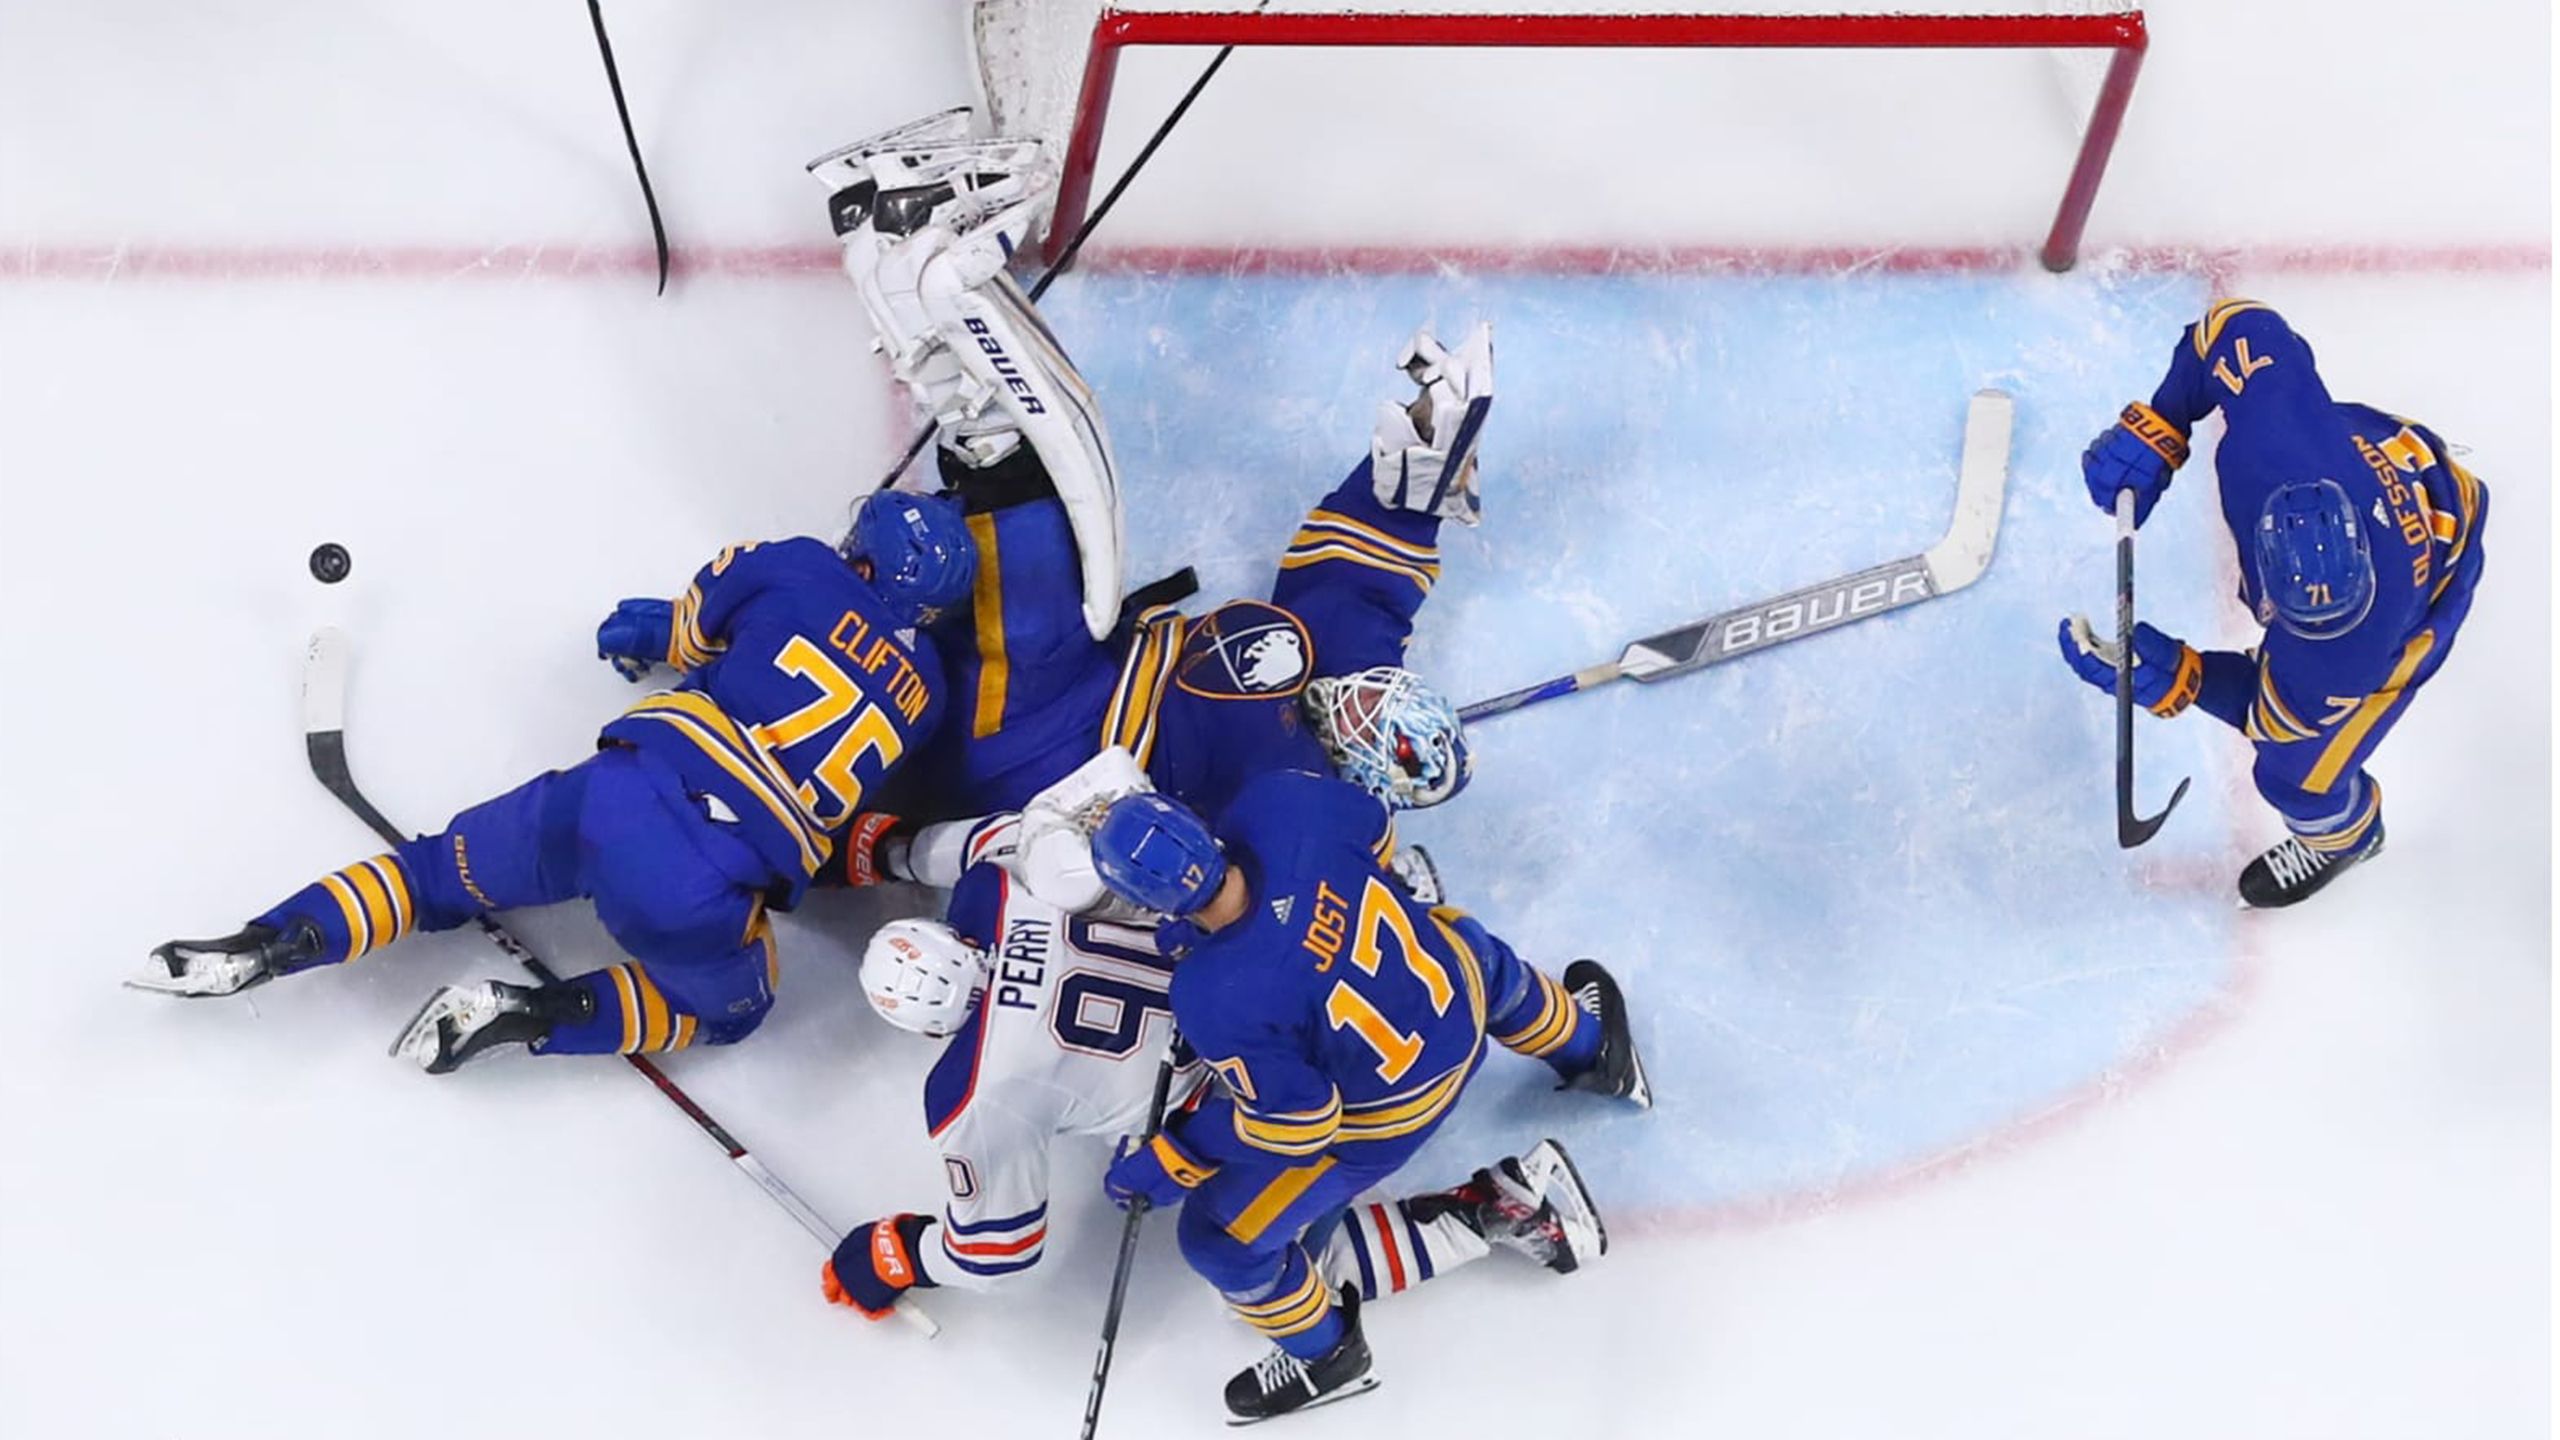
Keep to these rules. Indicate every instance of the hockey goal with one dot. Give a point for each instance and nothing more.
(1051, 68)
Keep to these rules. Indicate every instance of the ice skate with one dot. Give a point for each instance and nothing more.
(1619, 1071)
(1280, 1382)
(2292, 872)
(461, 1022)
(227, 966)
(1534, 1204)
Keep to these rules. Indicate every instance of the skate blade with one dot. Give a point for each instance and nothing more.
(1583, 1207)
(1361, 1386)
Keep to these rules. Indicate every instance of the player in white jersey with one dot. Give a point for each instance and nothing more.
(1056, 1024)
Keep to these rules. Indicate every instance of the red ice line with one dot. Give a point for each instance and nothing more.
(459, 262)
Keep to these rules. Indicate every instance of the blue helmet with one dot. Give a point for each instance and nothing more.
(1392, 735)
(2315, 572)
(1154, 853)
(922, 559)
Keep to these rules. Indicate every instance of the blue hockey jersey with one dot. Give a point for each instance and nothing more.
(1341, 1017)
(2422, 515)
(1207, 702)
(801, 694)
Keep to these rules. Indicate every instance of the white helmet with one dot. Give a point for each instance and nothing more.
(1391, 735)
(922, 976)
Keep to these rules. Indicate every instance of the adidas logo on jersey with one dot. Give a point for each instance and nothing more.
(1281, 907)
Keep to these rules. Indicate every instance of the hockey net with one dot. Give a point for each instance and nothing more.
(1055, 69)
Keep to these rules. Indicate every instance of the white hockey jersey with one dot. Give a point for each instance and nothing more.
(1066, 1040)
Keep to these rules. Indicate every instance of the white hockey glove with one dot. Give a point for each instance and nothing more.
(1423, 455)
(1054, 859)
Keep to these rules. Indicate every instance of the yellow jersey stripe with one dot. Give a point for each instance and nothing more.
(2342, 746)
(1420, 551)
(1279, 1195)
(2209, 329)
(1470, 969)
(2275, 701)
(377, 903)
(987, 606)
(622, 990)
(1313, 538)
(1306, 1309)
(1300, 559)
(1383, 1122)
(699, 720)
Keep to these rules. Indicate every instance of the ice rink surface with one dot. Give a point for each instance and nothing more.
(1971, 1124)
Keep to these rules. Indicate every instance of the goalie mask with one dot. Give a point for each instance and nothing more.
(922, 977)
(1391, 735)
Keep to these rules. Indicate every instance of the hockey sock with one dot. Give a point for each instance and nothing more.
(627, 1014)
(358, 909)
(1381, 1247)
(2348, 830)
(1541, 1020)
(1298, 1315)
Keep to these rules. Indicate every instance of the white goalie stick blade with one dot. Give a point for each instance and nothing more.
(1957, 560)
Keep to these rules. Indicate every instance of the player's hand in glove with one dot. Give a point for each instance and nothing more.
(1156, 1170)
(2167, 672)
(2137, 453)
(634, 637)
(876, 1264)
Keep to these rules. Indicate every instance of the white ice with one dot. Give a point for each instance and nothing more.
(1972, 1124)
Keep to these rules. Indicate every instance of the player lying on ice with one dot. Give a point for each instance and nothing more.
(705, 808)
(1046, 669)
(2359, 541)
(1056, 1024)
(1340, 1018)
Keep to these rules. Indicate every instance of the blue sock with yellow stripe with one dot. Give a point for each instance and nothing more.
(1296, 1310)
(1536, 1016)
(357, 909)
(630, 1015)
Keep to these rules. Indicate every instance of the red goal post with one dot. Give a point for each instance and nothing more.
(2122, 33)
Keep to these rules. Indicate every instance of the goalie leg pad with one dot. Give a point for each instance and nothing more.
(1011, 358)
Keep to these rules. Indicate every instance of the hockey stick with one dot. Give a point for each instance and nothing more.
(639, 167)
(1957, 560)
(1128, 1256)
(324, 737)
(1075, 246)
(2131, 829)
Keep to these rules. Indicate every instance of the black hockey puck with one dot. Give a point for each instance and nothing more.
(330, 563)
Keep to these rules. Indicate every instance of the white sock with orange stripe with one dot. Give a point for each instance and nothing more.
(1384, 1247)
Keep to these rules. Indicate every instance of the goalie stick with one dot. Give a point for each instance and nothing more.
(324, 736)
(1957, 560)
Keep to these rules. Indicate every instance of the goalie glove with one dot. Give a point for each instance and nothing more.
(1422, 456)
(2167, 672)
(1053, 857)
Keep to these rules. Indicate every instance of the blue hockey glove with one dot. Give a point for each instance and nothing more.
(2137, 453)
(875, 1264)
(634, 637)
(2167, 672)
(1157, 1170)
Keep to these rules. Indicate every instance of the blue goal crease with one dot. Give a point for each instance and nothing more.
(1863, 892)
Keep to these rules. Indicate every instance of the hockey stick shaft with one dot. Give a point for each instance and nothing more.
(325, 742)
(2132, 829)
(1128, 1258)
(1075, 245)
(1957, 560)
(631, 141)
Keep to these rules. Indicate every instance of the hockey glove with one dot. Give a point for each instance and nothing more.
(1156, 1170)
(875, 1265)
(634, 637)
(2137, 453)
(1422, 455)
(875, 849)
(2167, 673)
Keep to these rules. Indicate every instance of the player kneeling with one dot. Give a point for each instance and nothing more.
(1341, 1019)
(1056, 1024)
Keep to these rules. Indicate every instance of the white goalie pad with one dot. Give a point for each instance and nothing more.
(1011, 357)
(1423, 454)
